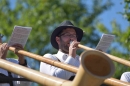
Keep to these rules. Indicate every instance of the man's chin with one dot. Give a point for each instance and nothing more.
(67, 51)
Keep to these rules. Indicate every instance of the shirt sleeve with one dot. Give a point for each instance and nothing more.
(125, 77)
(55, 71)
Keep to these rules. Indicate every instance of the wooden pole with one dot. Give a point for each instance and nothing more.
(33, 75)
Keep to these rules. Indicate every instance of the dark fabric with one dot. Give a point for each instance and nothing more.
(2, 80)
(71, 78)
(10, 75)
(7, 79)
(64, 25)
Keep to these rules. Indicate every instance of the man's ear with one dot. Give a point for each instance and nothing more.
(58, 40)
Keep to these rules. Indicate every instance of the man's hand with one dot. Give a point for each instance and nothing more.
(73, 48)
(20, 56)
(3, 50)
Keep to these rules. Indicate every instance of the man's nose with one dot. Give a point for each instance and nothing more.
(72, 39)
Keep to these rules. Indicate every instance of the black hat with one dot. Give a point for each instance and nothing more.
(64, 25)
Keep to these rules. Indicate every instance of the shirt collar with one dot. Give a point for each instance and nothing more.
(61, 56)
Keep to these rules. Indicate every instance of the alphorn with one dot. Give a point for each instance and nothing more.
(109, 81)
(88, 71)
(114, 58)
(32, 75)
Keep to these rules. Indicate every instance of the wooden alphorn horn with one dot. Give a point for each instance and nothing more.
(109, 81)
(114, 58)
(33, 75)
(95, 66)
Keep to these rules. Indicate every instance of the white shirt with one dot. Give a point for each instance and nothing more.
(58, 72)
(125, 77)
(15, 83)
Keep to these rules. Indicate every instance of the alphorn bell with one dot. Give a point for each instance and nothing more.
(94, 69)
(95, 66)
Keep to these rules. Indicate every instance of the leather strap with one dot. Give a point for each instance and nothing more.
(71, 78)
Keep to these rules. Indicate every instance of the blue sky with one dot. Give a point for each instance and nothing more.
(113, 14)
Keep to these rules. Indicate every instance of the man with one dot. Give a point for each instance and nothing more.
(125, 77)
(60, 39)
(6, 77)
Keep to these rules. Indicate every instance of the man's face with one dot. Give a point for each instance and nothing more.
(67, 35)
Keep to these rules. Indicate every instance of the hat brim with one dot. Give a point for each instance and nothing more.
(79, 32)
